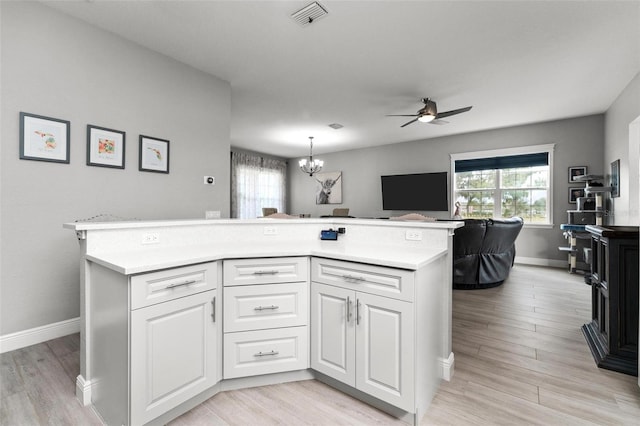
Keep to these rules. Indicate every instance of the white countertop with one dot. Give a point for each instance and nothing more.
(139, 261)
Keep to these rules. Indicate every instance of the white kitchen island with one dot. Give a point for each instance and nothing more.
(176, 311)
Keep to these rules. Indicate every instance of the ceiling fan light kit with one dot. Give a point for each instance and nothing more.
(311, 165)
(429, 113)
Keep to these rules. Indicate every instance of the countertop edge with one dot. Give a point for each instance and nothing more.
(167, 262)
(95, 226)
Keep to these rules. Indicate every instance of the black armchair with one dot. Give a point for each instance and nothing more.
(484, 251)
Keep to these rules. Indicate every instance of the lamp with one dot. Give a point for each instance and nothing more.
(429, 112)
(310, 166)
(426, 118)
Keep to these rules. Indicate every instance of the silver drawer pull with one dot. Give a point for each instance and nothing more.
(265, 272)
(264, 308)
(181, 284)
(267, 353)
(352, 278)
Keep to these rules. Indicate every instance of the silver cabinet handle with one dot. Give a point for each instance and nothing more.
(352, 278)
(357, 311)
(264, 308)
(267, 353)
(213, 309)
(348, 309)
(181, 284)
(265, 272)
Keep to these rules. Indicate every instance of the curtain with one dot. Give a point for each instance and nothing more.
(257, 182)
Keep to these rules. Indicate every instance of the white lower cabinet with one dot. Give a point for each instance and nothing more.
(365, 341)
(174, 355)
(156, 339)
(162, 339)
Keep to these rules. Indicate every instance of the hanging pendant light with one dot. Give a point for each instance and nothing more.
(310, 166)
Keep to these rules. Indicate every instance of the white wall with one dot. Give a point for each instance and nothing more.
(622, 112)
(579, 142)
(56, 66)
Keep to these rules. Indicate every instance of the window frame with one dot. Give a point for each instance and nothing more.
(248, 163)
(503, 152)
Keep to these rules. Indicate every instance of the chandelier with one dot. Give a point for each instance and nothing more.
(310, 166)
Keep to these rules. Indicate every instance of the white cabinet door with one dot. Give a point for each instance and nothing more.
(385, 349)
(333, 332)
(173, 355)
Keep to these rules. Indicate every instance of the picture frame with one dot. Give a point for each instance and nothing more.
(574, 193)
(105, 147)
(44, 138)
(328, 188)
(615, 179)
(153, 155)
(576, 171)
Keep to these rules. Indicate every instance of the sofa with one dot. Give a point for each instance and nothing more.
(483, 252)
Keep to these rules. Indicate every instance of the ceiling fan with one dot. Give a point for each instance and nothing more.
(429, 113)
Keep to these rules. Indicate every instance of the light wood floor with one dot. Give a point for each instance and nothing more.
(520, 358)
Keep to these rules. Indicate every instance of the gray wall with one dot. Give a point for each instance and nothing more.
(622, 112)
(57, 66)
(579, 142)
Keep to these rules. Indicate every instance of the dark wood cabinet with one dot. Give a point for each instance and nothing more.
(612, 334)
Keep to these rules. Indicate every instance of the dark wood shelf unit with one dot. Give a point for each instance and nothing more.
(612, 334)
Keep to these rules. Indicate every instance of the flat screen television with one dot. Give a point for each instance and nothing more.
(419, 191)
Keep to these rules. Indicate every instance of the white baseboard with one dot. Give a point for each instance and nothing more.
(83, 390)
(33, 336)
(447, 367)
(535, 261)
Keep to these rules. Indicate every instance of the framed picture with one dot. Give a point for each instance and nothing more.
(574, 172)
(105, 147)
(574, 193)
(44, 138)
(615, 179)
(154, 155)
(329, 188)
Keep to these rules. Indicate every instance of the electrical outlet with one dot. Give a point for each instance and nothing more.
(209, 180)
(413, 235)
(152, 238)
(270, 230)
(212, 214)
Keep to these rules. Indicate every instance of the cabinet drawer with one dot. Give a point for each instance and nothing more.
(156, 287)
(390, 282)
(265, 271)
(265, 306)
(251, 353)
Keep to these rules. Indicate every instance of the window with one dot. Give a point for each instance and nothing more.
(256, 182)
(504, 183)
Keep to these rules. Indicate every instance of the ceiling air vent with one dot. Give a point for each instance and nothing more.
(309, 14)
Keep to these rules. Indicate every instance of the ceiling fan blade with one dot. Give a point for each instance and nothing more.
(438, 122)
(452, 112)
(402, 115)
(412, 121)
